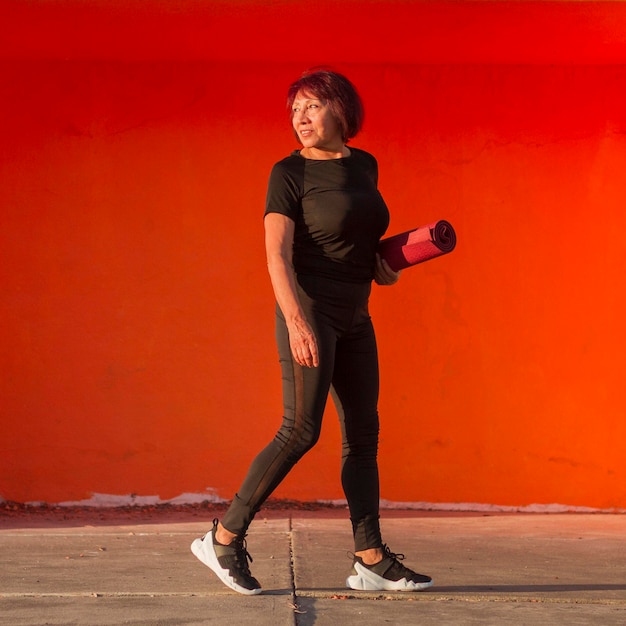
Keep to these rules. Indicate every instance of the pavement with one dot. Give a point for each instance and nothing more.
(97, 568)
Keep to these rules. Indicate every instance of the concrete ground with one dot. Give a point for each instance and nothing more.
(110, 568)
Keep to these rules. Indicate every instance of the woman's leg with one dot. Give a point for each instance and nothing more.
(355, 392)
(305, 392)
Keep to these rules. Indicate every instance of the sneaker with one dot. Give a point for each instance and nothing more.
(387, 575)
(230, 562)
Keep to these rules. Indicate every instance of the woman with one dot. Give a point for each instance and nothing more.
(323, 220)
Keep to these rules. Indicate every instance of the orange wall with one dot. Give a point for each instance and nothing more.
(137, 316)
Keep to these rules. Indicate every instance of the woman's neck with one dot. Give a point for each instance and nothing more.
(322, 154)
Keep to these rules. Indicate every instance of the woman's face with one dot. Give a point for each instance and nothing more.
(314, 123)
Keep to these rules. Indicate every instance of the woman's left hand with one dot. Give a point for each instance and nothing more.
(383, 274)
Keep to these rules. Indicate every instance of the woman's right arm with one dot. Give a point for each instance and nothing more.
(279, 231)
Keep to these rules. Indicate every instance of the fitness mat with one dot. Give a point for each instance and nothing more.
(418, 245)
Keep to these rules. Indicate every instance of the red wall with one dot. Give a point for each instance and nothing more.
(137, 316)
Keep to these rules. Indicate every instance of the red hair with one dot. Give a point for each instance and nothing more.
(337, 92)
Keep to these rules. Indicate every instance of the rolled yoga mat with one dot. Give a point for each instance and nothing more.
(418, 245)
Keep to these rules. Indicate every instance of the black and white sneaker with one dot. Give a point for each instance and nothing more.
(230, 562)
(386, 575)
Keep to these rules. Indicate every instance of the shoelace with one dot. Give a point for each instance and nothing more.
(387, 553)
(242, 555)
(392, 555)
(396, 567)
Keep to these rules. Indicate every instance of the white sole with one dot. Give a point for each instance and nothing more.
(204, 552)
(366, 580)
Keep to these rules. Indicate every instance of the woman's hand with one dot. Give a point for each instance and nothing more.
(303, 343)
(383, 274)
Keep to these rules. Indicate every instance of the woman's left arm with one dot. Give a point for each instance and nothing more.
(383, 274)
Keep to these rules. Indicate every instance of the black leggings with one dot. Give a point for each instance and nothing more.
(338, 314)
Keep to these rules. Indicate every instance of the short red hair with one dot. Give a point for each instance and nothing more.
(337, 92)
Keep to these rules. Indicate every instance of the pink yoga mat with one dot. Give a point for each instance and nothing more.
(418, 245)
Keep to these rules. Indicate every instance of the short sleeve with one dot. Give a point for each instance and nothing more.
(283, 192)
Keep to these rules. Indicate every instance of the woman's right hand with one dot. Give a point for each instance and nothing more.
(303, 343)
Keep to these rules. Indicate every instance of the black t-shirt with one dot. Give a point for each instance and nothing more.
(338, 211)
